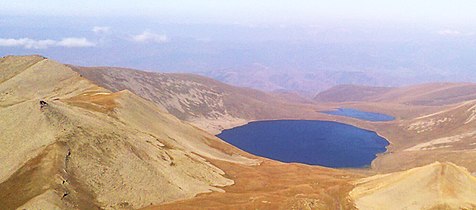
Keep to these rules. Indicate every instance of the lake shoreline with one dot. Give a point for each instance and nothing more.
(360, 153)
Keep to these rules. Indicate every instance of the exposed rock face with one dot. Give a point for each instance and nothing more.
(43, 104)
(92, 148)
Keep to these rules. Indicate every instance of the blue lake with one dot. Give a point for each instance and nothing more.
(355, 113)
(312, 142)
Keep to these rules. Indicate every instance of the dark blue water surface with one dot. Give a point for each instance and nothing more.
(355, 113)
(312, 142)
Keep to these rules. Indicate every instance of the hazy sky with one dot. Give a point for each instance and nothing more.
(374, 42)
(253, 11)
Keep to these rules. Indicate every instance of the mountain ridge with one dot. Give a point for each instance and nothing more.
(206, 103)
(83, 138)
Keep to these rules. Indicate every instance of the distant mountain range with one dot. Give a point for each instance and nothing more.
(304, 83)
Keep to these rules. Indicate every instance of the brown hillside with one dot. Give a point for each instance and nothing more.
(433, 94)
(348, 93)
(434, 186)
(89, 148)
(205, 102)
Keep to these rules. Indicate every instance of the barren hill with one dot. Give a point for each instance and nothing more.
(205, 102)
(67, 143)
(346, 93)
(432, 94)
(434, 186)
(447, 134)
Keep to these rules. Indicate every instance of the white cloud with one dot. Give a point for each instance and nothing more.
(75, 42)
(451, 32)
(101, 29)
(28, 43)
(147, 36)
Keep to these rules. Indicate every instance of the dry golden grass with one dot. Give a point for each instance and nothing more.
(274, 185)
(113, 150)
(429, 187)
(99, 101)
(204, 102)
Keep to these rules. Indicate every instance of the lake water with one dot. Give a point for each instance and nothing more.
(355, 113)
(312, 142)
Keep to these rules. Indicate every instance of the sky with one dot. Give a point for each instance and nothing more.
(254, 12)
(372, 42)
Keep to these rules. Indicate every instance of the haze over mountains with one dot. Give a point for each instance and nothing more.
(270, 57)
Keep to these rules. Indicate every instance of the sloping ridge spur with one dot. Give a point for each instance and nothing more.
(70, 144)
(434, 186)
